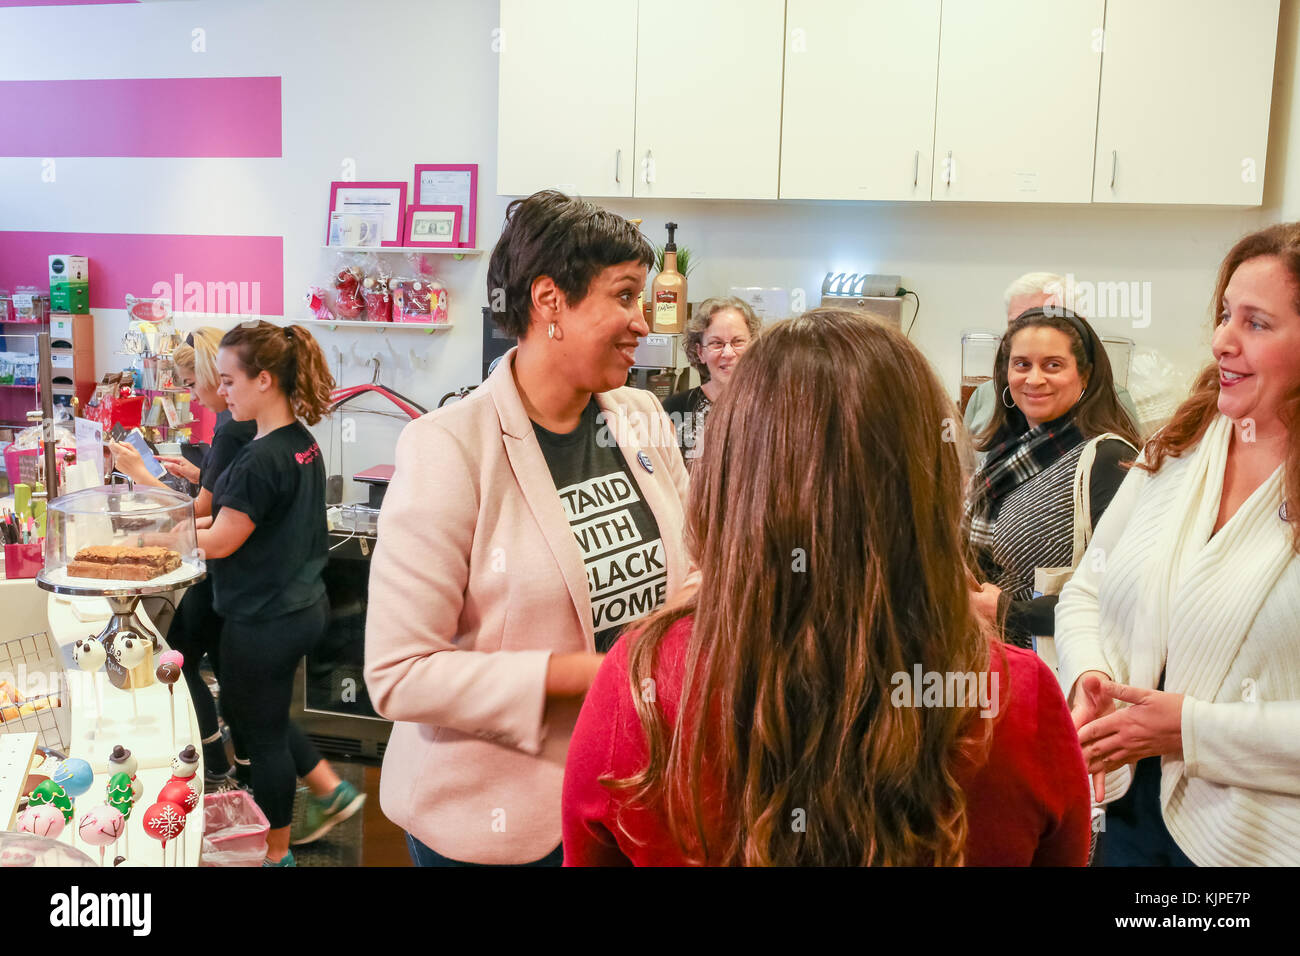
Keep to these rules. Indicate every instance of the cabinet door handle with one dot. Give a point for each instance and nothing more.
(649, 168)
(916, 167)
(948, 171)
(618, 163)
(1114, 160)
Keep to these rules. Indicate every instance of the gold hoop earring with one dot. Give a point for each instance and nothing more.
(550, 332)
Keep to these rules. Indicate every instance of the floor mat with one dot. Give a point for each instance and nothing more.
(342, 845)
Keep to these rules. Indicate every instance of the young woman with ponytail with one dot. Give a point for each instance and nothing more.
(266, 547)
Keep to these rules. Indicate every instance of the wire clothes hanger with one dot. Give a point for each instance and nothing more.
(342, 396)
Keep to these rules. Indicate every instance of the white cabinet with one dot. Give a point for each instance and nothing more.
(708, 98)
(858, 117)
(1185, 93)
(567, 96)
(1016, 114)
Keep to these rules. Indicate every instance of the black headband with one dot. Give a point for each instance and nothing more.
(1079, 326)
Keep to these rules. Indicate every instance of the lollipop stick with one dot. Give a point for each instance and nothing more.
(135, 710)
(171, 693)
(101, 855)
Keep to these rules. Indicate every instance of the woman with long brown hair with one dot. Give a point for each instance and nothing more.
(1057, 448)
(786, 712)
(1191, 616)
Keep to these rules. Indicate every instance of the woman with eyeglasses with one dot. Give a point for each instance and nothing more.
(716, 336)
(196, 629)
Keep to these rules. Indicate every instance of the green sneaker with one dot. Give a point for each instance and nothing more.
(286, 860)
(324, 814)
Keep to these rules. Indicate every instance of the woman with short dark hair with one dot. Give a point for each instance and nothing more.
(524, 527)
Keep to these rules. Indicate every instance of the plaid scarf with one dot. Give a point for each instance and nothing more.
(1011, 464)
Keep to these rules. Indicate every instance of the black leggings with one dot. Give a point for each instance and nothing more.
(195, 631)
(258, 662)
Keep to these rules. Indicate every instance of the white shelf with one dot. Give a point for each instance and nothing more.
(430, 250)
(383, 326)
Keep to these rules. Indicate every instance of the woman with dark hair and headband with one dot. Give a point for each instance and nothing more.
(1056, 452)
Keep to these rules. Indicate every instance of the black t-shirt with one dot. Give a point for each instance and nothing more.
(279, 482)
(627, 573)
(228, 441)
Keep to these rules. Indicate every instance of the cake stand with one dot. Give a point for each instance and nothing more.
(123, 597)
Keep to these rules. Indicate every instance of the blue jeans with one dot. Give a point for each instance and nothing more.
(1135, 830)
(421, 855)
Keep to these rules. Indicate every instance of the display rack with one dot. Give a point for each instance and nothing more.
(457, 253)
(382, 326)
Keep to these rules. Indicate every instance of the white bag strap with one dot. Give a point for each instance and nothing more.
(1083, 495)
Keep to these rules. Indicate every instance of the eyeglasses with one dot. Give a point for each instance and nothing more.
(717, 348)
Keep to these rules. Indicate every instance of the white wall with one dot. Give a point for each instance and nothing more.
(390, 83)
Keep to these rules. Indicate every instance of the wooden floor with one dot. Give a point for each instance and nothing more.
(385, 842)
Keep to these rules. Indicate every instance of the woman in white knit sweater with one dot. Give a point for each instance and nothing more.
(1186, 608)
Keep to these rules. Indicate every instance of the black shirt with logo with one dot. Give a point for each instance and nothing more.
(627, 573)
(278, 480)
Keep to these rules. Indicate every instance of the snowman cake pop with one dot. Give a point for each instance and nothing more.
(121, 761)
(185, 765)
(89, 654)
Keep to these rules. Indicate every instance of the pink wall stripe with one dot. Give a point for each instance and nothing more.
(60, 3)
(198, 116)
(134, 263)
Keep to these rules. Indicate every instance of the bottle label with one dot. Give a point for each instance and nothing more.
(665, 311)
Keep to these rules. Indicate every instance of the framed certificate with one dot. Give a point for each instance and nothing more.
(444, 184)
(386, 200)
(436, 226)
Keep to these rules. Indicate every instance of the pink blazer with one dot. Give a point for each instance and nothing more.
(475, 581)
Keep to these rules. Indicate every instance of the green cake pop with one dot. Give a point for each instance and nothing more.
(50, 792)
(120, 795)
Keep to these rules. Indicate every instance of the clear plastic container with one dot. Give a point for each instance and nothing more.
(1120, 352)
(979, 349)
(115, 538)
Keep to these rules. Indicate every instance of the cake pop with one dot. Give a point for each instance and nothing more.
(42, 820)
(100, 827)
(169, 672)
(129, 649)
(49, 792)
(89, 654)
(122, 798)
(172, 656)
(74, 775)
(164, 821)
(121, 761)
(180, 792)
(185, 767)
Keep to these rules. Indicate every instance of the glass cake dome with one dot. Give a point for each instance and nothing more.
(112, 538)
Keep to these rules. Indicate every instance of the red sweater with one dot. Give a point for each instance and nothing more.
(1028, 804)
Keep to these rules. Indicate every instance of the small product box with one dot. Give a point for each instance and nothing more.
(70, 284)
